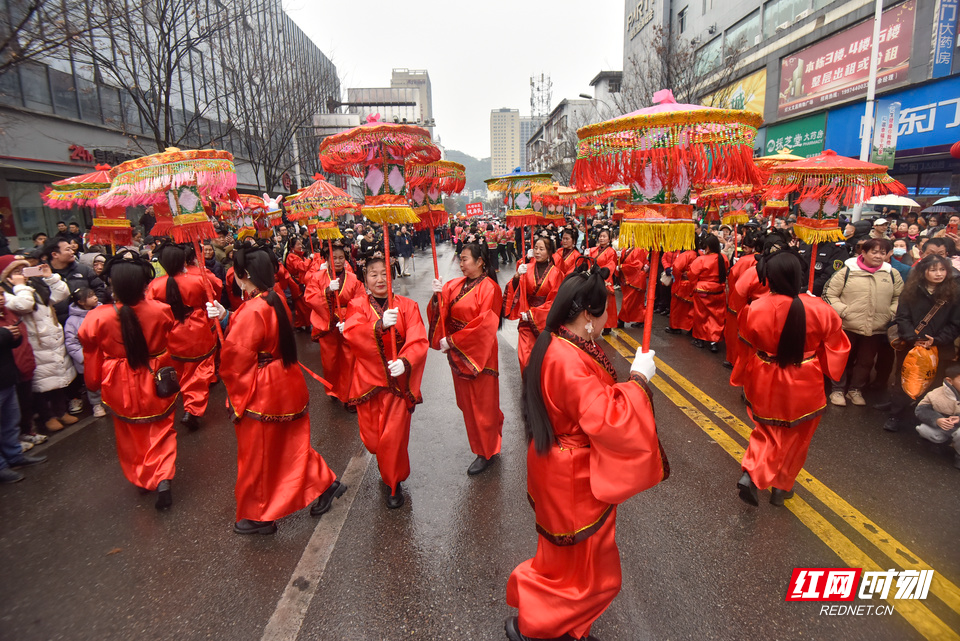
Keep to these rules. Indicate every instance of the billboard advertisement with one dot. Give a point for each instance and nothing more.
(748, 93)
(836, 69)
(803, 137)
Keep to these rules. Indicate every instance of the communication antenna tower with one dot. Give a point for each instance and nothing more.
(541, 92)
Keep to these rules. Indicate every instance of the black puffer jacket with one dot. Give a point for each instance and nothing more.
(79, 275)
(944, 327)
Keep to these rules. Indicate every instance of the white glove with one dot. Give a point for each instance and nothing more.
(522, 269)
(396, 368)
(340, 327)
(525, 316)
(216, 310)
(437, 285)
(390, 317)
(323, 267)
(444, 346)
(334, 285)
(643, 364)
(666, 279)
(529, 253)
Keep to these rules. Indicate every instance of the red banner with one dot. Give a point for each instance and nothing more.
(474, 209)
(837, 69)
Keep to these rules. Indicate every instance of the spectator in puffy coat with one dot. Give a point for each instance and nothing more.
(865, 293)
(33, 301)
(84, 299)
(939, 413)
(62, 260)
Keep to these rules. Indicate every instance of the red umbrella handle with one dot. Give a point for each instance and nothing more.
(436, 274)
(813, 263)
(654, 259)
(386, 254)
(333, 273)
(207, 287)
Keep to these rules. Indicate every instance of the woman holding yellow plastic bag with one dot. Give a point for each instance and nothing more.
(927, 321)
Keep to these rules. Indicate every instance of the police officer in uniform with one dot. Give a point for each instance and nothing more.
(830, 257)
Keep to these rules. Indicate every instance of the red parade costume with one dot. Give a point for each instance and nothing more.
(708, 299)
(607, 257)
(235, 301)
(541, 288)
(278, 472)
(292, 278)
(606, 450)
(471, 314)
(193, 342)
(681, 307)
(567, 261)
(385, 404)
(142, 421)
(334, 353)
(785, 403)
(633, 284)
(735, 302)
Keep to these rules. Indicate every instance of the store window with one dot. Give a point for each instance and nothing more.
(36, 87)
(743, 35)
(781, 12)
(682, 20)
(64, 94)
(934, 184)
(709, 56)
(10, 88)
(29, 213)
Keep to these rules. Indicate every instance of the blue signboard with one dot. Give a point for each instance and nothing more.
(929, 116)
(944, 39)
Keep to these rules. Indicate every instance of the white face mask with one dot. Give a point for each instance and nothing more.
(899, 251)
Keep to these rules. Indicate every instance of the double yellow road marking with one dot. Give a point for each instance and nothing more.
(917, 614)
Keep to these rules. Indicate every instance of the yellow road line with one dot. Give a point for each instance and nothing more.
(943, 588)
(915, 613)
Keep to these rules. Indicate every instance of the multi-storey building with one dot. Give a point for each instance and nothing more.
(64, 112)
(804, 64)
(504, 141)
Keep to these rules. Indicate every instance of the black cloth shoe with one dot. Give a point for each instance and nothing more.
(671, 330)
(10, 475)
(325, 500)
(714, 348)
(698, 343)
(748, 491)
(883, 407)
(191, 421)
(664, 312)
(479, 464)
(512, 628)
(727, 364)
(164, 496)
(246, 526)
(638, 325)
(395, 500)
(892, 424)
(605, 332)
(620, 324)
(350, 408)
(778, 496)
(27, 460)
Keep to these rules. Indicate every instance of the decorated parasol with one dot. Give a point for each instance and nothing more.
(660, 152)
(242, 211)
(426, 185)
(825, 183)
(776, 208)
(734, 198)
(518, 189)
(110, 224)
(377, 152)
(183, 179)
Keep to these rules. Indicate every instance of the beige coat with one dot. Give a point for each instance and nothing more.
(866, 302)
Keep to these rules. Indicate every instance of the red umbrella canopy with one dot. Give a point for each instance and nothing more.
(831, 178)
(81, 191)
(319, 196)
(663, 149)
(426, 186)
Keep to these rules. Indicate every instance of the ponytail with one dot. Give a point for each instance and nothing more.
(712, 245)
(128, 275)
(134, 342)
(173, 259)
(579, 291)
(784, 271)
(288, 343)
(260, 265)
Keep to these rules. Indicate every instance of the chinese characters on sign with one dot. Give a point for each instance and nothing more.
(837, 69)
(885, 133)
(945, 38)
(474, 209)
(804, 137)
(840, 584)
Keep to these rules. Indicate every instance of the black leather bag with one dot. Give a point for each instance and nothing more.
(166, 381)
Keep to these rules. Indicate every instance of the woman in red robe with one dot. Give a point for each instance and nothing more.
(746, 262)
(605, 256)
(193, 341)
(471, 317)
(792, 340)
(123, 345)
(681, 290)
(568, 258)
(298, 266)
(328, 299)
(539, 281)
(278, 472)
(634, 274)
(709, 276)
(592, 445)
(385, 389)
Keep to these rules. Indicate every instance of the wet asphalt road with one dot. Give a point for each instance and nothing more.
(86, 557)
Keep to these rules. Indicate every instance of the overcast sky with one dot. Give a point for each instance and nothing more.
(480, 54)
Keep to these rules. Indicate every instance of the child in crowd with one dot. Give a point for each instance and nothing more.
(84, 299)
(939, 412)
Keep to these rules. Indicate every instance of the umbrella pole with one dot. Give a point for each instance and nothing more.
(207, 287)
(333, 274)
(653, 259)
(813, 263)
(392, 348)
(436, 274)
(734, 240)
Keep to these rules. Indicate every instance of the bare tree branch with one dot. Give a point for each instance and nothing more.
(33, 29)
